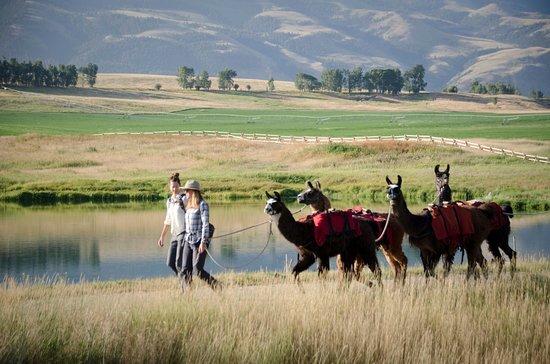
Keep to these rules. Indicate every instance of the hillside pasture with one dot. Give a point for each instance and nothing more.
(285, 122)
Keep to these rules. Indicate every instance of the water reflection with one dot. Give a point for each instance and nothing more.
(107, 243)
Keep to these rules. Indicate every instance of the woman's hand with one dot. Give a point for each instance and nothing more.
(160, 242)
(202, 248)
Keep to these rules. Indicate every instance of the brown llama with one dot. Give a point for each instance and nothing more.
(499, 236)
(422, 236)
(301, 235)
(392, 249)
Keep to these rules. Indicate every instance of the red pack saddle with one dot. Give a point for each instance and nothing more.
(334, 223)
(452, 223)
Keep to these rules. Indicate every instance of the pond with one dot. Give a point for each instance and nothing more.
(119, 242)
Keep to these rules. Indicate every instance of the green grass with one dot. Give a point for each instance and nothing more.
(284, 122)
(268, 318)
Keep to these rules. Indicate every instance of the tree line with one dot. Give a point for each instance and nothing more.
(188, 80)
(497, 88)
(380, 80)
(27, 73)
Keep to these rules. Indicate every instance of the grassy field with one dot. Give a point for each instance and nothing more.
(48, 155)
(285, 122)
(265, 317)
(134, 93)
(48, 169)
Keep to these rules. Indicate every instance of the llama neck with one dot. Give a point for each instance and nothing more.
(445, 194)
(322, 205)
(297, 233)
(414, 225)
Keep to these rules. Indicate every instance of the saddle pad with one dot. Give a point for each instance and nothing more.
(333, 223)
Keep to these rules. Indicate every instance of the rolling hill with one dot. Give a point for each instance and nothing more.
(457, 41)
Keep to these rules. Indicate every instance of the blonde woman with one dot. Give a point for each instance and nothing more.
(175, 221)
(197, 234)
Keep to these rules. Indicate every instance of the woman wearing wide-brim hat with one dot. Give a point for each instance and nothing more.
(197, 234)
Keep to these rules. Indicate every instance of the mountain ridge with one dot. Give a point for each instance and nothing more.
(457, 42)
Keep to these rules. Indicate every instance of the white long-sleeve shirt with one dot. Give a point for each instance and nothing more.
(175, 217)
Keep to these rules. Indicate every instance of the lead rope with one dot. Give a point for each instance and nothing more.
(270, 233)
(385, 226)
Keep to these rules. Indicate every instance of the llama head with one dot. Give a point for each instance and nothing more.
(394, 190)
(312, 195)
(441, 177)
(274, 205)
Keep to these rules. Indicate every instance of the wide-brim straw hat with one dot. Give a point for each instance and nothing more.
(192, 185)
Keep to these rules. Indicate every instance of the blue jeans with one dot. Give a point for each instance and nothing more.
(172, 255)
(193, 261)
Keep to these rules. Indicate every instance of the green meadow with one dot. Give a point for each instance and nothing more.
(285, 122)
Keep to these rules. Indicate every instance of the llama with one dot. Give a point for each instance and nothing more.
(391, 248)
(301, 235)
(422, 236)
(499, 236)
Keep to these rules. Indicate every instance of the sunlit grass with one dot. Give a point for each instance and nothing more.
(264, 317)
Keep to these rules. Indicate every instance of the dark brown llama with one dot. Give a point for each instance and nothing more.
(499, 236)
(422, 236)
(392, 250)
(301, 235)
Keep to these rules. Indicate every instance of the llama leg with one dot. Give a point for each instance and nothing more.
(392, 262)
(493, 248)
(482, 262)
(471, 256)
(358, 267)
(324, 266)
(401, 260)
(304, 262)
(447, 264)
(372, 262)
(512, 254)
(424, 259)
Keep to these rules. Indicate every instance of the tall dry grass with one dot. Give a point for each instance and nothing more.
(266, 318)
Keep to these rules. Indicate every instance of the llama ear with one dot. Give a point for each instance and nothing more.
(436, 169)
(309, 184)
(388, 181)
(447, 170)
(318, 185)
(277, 195)
(399, 180)
(268, 195)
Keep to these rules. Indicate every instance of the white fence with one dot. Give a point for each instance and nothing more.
(319, 139)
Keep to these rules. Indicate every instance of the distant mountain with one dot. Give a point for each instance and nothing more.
(457, 41)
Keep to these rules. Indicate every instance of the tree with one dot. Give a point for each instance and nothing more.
(248, 87)
(186, 77)
(414, 79)
(89, 73)
(451, 89)
(53, 77)
(203, 81)
(368, 82)
(305, 82)
(478, 88)
(225, 79)
(271, 85)
(38, 74)
(236, 86)
(158, 86)
(393, 81)
(332, 79)
(354, 79)
(537, 94)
